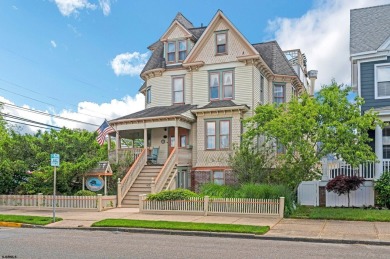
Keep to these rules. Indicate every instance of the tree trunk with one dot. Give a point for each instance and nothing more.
(348, 199)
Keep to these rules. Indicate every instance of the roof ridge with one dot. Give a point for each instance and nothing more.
(265, 42)
(177, 18)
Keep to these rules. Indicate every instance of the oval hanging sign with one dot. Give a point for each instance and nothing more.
(94, 184)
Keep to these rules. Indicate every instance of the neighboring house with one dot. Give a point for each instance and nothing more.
(370, 63)
(200, 82)
(370, 60)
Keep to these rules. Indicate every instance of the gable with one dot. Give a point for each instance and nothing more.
(176, 31)
(205, 49)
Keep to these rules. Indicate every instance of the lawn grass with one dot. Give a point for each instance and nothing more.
(35, 220)
(189, 226)
(359, 214)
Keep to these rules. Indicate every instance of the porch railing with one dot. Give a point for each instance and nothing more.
(336, 167)
(386, 165)
(123, 153)
(171, 185)
(165, 172)
(131, 176)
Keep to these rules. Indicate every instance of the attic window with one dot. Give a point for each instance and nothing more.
(221, 43)
(176, 51)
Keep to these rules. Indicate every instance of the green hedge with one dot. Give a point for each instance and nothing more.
(85, 193)
(178, 194)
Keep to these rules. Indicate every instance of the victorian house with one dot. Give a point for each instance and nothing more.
(199, 83)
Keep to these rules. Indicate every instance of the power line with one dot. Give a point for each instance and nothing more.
(27, 120)
(46, 114)
(31, 125)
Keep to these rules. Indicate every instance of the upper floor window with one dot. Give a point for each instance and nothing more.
(148, 95)
(221, 85)
(218, 134)
(221, 40)
(178, 89)
(176, 51)
(279, 93)
(382, 81)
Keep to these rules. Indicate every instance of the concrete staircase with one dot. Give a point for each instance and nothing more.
(141, 185)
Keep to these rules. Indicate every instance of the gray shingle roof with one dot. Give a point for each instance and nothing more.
(219, 104)
(158, 111)
(156, 59)
(370, 28)
(143, 86)
(184, 21)
(197, 32)
(274, 57)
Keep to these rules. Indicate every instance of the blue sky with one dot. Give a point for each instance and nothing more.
(78, 57)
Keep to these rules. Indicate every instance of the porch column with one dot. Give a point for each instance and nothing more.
(177, 143)
(117, 147)
(378, 151)
(145, 138)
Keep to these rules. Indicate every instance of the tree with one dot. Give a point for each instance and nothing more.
(382, 188)
(329, 119)
(344, 185)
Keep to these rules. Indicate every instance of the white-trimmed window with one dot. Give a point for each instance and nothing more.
(221, 85)
(182, 50)
(148, 95)
(382, 81)
(221, 40)
(279, 96)
(171, 53)
(178, 89)
(218, 134)
(176, 51)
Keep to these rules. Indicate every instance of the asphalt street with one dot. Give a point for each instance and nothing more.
(54, 243)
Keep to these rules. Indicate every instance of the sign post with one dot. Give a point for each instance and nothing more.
(54, 161)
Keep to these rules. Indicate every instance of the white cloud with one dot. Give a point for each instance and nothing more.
(322, 34)
(68, 7)
(15, 8)
(53, 44)
(86, 112)
(105, 5)
(74, 30)
(129, 63)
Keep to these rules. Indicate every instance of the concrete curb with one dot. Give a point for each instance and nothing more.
(218, 234)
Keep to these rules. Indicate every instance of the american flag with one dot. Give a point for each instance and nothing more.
(103, 130)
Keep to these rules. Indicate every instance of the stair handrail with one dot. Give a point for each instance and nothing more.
(165, 171)
(172, 180)
(132, 175)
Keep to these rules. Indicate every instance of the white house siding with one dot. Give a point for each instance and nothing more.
(200, 87)
(243, 91)
(207, 158)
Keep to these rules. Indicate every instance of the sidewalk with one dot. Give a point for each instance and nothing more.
(294, 229)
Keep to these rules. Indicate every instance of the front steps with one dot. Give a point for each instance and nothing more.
(141, 185)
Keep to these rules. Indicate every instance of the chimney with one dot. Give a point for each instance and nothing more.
(312, 76)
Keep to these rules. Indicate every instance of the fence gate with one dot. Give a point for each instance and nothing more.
(308, 193)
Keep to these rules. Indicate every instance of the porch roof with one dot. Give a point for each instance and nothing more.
(221, 105)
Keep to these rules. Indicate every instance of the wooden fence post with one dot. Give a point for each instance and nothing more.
(39, 200)
(281, 207)
(141, 202)
(206, 205)
(119, 194)
(99, 202)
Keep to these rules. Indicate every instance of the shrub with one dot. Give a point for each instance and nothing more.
(85, 193)
(218, 191)
(382, 188)
(178, 194)
(344, 184)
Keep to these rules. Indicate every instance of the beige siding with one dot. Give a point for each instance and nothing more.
(162, 88)
(243, 88)
(176, 33)
(200, 87)
(235, 47)
(156, 136)
(206, 158)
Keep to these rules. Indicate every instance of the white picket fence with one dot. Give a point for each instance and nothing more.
(214, 206)
(40, 201)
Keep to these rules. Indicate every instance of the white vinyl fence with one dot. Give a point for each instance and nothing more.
(214, 206)
(40, 201)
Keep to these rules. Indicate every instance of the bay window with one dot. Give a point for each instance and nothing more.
(218, 134)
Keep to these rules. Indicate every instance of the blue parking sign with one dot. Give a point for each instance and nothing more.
(54, 159)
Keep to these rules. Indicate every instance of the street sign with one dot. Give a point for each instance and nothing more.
(54, 159)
